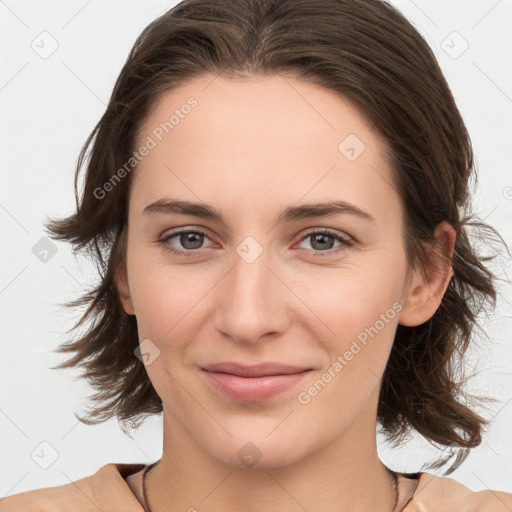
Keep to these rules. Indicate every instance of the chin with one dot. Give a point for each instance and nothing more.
(251, 452)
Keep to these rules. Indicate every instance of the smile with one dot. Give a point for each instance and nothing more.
(253, 384)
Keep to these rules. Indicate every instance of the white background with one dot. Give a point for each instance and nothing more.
(50, 105)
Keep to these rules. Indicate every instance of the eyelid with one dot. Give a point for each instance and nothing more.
(328, 231)
(309, 231)
(166, 236)
(345, 240)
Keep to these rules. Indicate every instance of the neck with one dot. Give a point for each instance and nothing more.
(344, 475)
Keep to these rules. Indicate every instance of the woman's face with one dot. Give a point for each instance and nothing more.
(271, 278)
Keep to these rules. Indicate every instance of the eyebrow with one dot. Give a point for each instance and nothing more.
(291, 213)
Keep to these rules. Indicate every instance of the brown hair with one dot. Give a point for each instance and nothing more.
(367, 51)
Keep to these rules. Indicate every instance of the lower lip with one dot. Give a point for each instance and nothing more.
(253, 389)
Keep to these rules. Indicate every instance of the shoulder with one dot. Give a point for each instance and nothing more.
(104, 490)
(51, 499)
(444, 493)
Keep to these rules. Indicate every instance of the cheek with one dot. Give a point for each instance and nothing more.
(361, 314)
(160, 302)
(356, 315)
(166, 298)
(347, 300)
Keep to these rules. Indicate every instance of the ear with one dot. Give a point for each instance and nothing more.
(424, 294)
(123, 290)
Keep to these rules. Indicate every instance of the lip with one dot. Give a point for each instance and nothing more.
(255, 370)
(254, 383)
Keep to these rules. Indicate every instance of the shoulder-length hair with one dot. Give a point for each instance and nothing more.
(370, 53)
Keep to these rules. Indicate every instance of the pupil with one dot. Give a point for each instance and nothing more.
(320, 238)
(194, 238)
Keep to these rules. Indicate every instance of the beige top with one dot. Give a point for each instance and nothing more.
(118, 488)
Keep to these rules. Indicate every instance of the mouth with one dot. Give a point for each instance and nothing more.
(254, 383)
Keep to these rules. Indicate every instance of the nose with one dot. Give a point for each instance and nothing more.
(252, 301)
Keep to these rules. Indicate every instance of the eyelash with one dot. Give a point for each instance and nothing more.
(345, 242)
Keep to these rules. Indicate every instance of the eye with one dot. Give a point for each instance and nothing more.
(190, 240)
(322, 242)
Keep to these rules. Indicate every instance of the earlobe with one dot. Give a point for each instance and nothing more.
(123, 290)
(425, 292)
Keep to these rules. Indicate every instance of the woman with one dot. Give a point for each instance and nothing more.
(273, 197)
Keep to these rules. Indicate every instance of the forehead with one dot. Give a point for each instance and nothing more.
(260, 109)
(267, 137)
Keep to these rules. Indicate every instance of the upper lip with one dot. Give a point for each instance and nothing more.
(257, 370)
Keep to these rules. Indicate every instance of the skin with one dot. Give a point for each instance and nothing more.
(433, 494)
(436, 494)
(252, 148)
